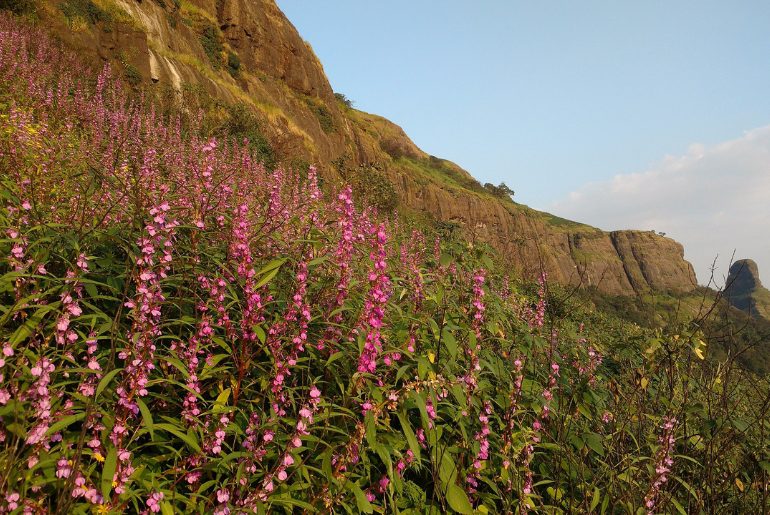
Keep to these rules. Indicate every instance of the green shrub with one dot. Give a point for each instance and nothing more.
(212, 45)
(84, 10)
(344, 100)
(369, 183)
(324, 118)
(502, 191)
(18, 7)
(233, 64)
(241, 123)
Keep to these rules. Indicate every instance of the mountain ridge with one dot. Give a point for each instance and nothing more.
(249, 53)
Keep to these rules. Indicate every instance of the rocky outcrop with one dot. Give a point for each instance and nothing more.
(618, 263)
(246, 51)
(744, 289)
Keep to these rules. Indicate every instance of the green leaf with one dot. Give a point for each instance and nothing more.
(186, 438)
(106, 381)
(146, 417)
(65, 422)
(594, 441)
(422, 367)
(595, 499)
(678, 506)
(270, 270)
(221, 402)
(108, 472)
(371, 430)
(458, 500)
(411, 439)
(449, 342)
(166, 508)
(260, 333)
(364, 506)
(434, 328)
(447, 470)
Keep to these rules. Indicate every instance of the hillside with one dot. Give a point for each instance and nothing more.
(184, 330)
(245, 53)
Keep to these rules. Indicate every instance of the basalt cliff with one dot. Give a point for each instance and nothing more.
(744, 290)
(246, 53)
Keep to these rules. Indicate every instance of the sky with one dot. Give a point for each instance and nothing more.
(644, 115)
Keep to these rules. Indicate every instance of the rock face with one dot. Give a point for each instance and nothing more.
(246, 51)
(744, 290)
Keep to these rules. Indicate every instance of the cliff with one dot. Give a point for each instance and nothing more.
(246, 52)
(744, 289)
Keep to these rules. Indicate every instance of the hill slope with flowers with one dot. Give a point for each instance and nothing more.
(248, 68)
(184, 330)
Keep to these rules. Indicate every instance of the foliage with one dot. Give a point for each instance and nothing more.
(131, 73)
(184, 330)
(370, 184)
(18, 7)
(241, 124)
(212, 45)
(84, 10)
(441, 171)
(233, 64)
(502, 191)
(324, 116)
(344, 100)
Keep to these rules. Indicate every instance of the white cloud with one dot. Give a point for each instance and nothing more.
(714, 200)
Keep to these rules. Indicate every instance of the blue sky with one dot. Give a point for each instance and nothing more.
(559, 99)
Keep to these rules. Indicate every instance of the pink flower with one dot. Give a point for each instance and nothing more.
(153, 502)
(12, 499)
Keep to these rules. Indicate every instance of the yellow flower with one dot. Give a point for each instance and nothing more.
(98, 457)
